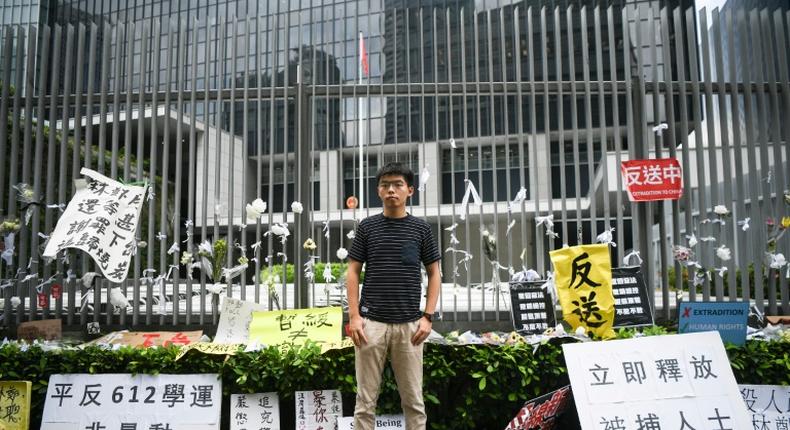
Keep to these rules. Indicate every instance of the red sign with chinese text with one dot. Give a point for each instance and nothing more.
(653, 179)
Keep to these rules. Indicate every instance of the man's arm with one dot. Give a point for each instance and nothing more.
(356, 326)
(434, 283)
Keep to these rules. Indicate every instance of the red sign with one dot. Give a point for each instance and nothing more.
(43, 300)
(55, 290)
(543, 413)
(651, 180)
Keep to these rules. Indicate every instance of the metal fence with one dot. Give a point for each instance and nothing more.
(534, 106)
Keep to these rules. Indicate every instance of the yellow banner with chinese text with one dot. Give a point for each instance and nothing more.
(294, 327)
(15, 405)
(583, 277)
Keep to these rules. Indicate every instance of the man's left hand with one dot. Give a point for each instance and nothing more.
(423, 331)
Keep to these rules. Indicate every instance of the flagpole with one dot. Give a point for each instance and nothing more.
(360, 141)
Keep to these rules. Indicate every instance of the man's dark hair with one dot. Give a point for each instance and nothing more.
(396, 169)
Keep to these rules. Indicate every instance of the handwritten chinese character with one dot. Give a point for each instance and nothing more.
(583, 271)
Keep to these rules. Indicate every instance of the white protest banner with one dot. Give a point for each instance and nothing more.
(234, 320)
(656, 382)
(383, 422)
(259, 411)
(101, 219)
(80, 401)
(318, 409)
(769, 405)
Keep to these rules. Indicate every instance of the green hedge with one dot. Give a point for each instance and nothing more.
(466, 387)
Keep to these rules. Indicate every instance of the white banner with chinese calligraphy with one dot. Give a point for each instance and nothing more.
(101, 219)
(259, 411)
(769, 405)
(318, 409)
(81, 401)
(656, 382)
(583, 277)
(653, 179)
(294, 327)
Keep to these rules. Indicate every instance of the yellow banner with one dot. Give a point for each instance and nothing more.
(15, 405)
(583, 276)
(210, 348)
(294, 327)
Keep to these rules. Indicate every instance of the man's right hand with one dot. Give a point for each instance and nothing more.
(356, 328)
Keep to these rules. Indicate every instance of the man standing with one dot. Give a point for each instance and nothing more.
(387, 320)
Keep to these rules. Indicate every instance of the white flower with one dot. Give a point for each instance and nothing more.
(309, 245)
(205, 249)
(581, 331)
(778, 261)
(256, 209)
(296, 207)
(342, 253)
(186, 258)
(351, 234)
(721, 210)
(692, 240)
(117, 298)
(15, 301)
(723, 252)
(280, 230)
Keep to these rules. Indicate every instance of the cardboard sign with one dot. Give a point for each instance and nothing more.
(260, 411)
(294, 327)
(318, 410)
(531, 307)
(658, 382)
(728, 318)
(113, 401)
(141, 339)
(652, 180)
(383, 422)
(543, 412)
(583, 277)
(631, 302)
(234, 320)
(15, 405)
(51, 329)
(768, 405)
(210, 348)
(101, 219)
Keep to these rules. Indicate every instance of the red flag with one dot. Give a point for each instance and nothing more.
(363, 55)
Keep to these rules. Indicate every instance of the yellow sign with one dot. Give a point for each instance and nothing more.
(210, 348)
(583, 277)
(15, 405)
(294, 327)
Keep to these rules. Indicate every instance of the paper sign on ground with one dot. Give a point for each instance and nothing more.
(15, 405)
(768, 405)
(259, 411)
(294, 327)
(728, 318)
(149, 339)
(583, 277)
(234, 320)
(543, 412)
(77, 401)
(653, 179)
(318, 409)
(383, 422)
(51, 329)
(101, 219)
(658, 381)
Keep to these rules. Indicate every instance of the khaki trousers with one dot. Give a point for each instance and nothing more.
(406, 359)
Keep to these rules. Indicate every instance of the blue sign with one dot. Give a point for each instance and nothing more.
(728, 318)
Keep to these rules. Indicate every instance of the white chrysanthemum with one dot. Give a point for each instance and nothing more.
(117, 298)
(297, 207)
(721, 210)
(256, 209)
(778, 261)
(186, 258)
(15, 301)
(342, 253)
(723, 253)
(351, 234)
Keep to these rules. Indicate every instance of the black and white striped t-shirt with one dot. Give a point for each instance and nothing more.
(392, 250)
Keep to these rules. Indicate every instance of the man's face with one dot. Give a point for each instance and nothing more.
(394, 191)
